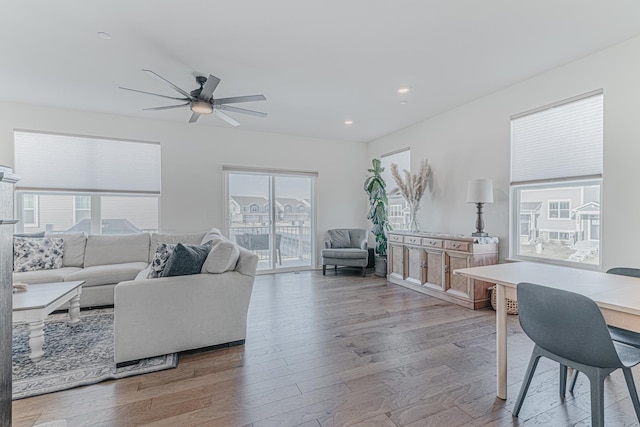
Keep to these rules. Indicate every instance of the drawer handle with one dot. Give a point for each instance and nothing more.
(456, 245)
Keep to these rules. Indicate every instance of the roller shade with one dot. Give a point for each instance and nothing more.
(56, 162)
(558, 142)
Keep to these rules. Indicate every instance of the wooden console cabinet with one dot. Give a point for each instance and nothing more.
(425, 261)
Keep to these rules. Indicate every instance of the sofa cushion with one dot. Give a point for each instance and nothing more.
(74, 246)
(116, 249)
(107, 274)
(159, 261)
(340, 238)
(44, 276)
(345, 253)
(222, 257)
(31, 254)
(186, 259)
(186, 238)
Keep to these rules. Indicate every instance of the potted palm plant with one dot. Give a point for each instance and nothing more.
(375, 188)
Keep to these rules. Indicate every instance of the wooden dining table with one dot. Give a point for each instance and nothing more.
(617, 296)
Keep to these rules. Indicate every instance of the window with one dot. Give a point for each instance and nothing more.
(558, 235)
(95, 185)
(525, 225)
(395, 210)
(82, 208)
(559, 209)
(397, 205)
(279, 224)
(556, 165)
(30, 210)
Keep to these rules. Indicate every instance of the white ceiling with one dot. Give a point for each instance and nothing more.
(318, 62)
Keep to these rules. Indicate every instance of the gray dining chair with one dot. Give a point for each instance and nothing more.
(618, 334)
(569, 328)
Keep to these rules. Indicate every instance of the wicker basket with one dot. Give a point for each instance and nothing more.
(512, 305)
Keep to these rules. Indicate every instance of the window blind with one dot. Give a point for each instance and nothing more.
(56, 162)
(559, 142)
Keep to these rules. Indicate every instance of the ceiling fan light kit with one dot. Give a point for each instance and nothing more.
(201, 107)
(201, 100)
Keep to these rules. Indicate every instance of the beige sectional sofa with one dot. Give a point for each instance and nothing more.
(161, 315)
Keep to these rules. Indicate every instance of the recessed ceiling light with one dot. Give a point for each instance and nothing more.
(403, 90)
(404, 102)
(104, 35)
(348, 122)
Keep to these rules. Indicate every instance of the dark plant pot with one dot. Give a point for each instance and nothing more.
(381, 266)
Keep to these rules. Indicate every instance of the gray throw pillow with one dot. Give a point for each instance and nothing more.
(340, 238)
(186, 259)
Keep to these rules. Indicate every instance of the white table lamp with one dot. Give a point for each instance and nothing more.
(479, 191)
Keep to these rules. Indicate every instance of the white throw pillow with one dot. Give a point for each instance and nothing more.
(32, 254)
(223, 257)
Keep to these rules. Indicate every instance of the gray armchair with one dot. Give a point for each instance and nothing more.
(346, 247)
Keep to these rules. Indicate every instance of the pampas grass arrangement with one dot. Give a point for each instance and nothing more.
(412, 188)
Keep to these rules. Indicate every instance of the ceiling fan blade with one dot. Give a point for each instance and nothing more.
(224, 117)
(168, 107)
(241, 110)
(236, 99)
(208, 88)
(154, 94)
(162, 79)
(194, 117)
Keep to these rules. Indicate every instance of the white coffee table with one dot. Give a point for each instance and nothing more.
(38, 301)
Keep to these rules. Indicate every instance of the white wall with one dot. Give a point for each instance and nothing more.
(192, 159)
(473, 141)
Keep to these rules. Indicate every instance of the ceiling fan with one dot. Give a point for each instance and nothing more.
(201, 100)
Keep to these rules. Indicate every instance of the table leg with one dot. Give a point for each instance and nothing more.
(74, 310)
(501, 341)
(36, 340)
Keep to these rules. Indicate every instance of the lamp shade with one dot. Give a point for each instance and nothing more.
(480, 191)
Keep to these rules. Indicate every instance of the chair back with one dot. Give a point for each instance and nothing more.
(625, 271)
(347, 237)
(567, 324)
(357, 235)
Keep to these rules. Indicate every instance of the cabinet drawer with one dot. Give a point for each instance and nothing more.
(457, 246)
(395, 238)
(412, 240)
(432, 243)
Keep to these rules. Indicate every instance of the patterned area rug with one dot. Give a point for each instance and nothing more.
(73, 355)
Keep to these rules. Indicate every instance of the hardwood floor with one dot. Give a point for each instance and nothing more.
(339, 350)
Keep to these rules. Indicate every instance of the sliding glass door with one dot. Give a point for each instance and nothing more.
(271, 214)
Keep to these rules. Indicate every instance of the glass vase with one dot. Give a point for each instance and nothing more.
(414, 225)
